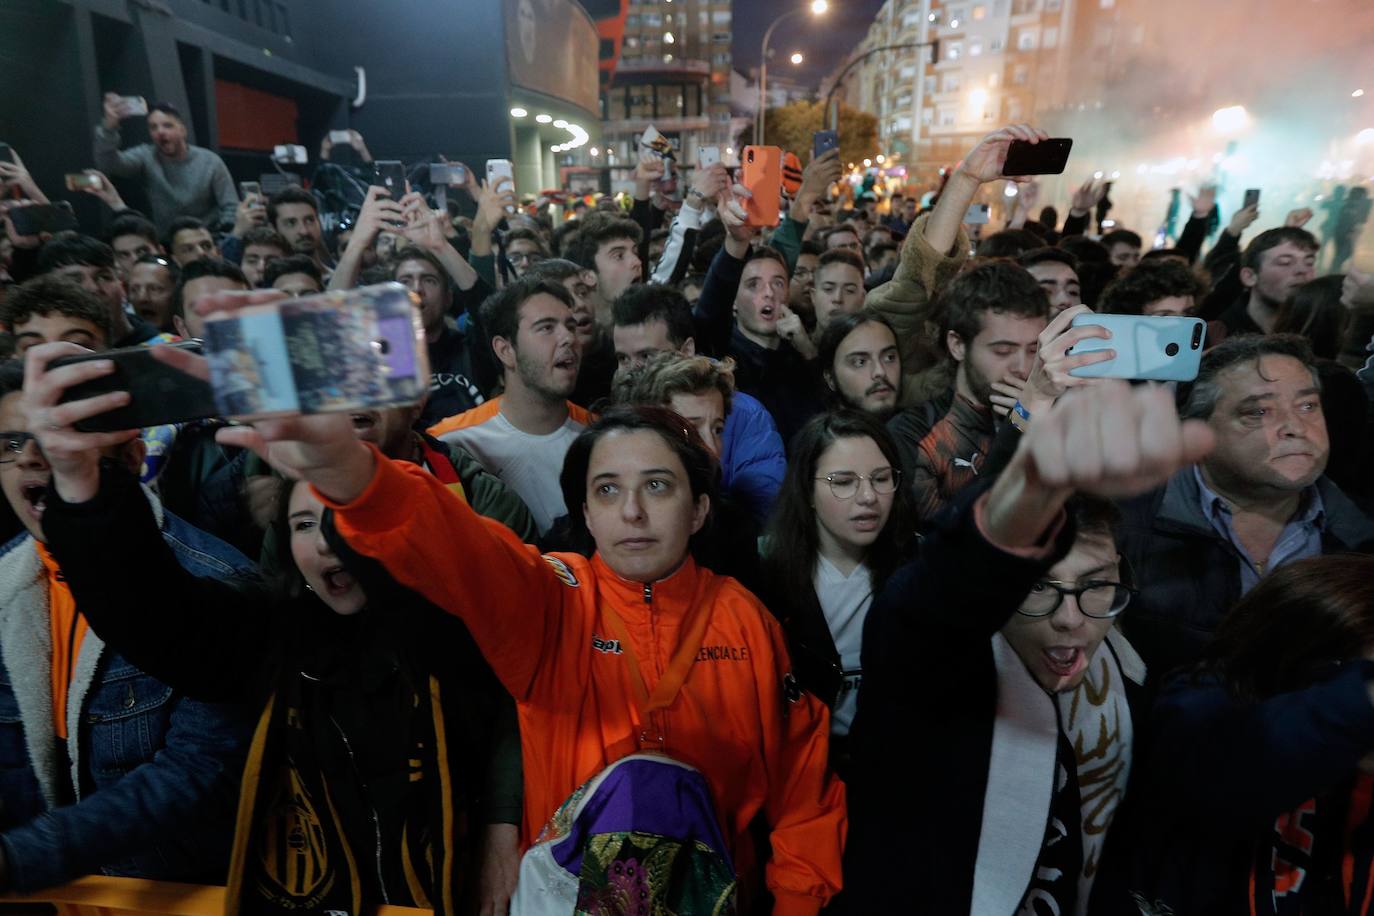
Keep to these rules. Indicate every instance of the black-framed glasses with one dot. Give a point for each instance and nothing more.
(12, 444)
(845, 484)
(1096, 598)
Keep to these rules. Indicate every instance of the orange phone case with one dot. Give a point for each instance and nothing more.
(762, 175)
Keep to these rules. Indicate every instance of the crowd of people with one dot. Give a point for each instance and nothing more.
(724, 569)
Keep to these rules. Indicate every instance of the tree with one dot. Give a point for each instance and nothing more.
(792, 126)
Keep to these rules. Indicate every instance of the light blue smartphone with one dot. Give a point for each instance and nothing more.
(1147, 347)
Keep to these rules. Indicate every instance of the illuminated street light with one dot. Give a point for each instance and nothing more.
(729, 151)
(867, 163)
(881, 158)
(796, 58)
(931, 18)
(1231, 119)
(1115, 175)
(1357, 94)
(1097, 176)
(595, 152)
(518, 112)
(668, 38)
(818, 8)
(954, 23)
(544, 119)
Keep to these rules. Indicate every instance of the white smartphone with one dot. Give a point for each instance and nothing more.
(1155, 347)
(977, 215)
(500, 170)
(134, 106)
(707, 156)
(340, 136)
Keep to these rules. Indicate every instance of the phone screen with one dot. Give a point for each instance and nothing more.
(340, 136)
(1048, 157)
(250, 188)
(1252, 196)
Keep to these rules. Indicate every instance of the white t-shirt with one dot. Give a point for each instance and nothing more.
(845, 601)
(528, 464)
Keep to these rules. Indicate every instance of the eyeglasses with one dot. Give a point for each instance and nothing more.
(1096, 598)
(525, 257)
(845, 484)
(12, 445)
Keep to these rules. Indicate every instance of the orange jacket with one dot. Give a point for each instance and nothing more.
(760, 742)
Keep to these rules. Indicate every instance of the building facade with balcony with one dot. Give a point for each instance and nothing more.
(673, 73)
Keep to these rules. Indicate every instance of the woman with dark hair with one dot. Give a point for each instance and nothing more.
(841, 525)
(1260, 779)
(623, 665)
(378, 716)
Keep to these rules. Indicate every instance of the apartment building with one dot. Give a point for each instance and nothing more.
(674, 73)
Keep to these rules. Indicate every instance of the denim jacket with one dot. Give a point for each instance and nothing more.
(155, 775)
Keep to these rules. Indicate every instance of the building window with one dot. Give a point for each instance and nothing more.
(956, 14)
(1013, 109)
(722, 37)
(1106, 4)
(631, 42)
(975, 48)
(1020, 75)
(903, 124)
(996, 46)
(1052, 6)
(723, 58)
(979, 12)
(911, 19)
(1051, 39)
(904, 100)
(993, 80)
(951, 82)
(721, 17)
(947, 118)
(908, 72)
(929, 85)
(1027, 40)
(927, 116)
(632, 21)
(954, 50)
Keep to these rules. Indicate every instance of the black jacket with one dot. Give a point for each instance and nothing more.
(1189, 575)
(1221, 771)
(923, 737)
(217, 645)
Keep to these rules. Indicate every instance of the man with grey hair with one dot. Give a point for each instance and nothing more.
(1259, 500)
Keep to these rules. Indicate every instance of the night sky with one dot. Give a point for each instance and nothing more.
(824, 41)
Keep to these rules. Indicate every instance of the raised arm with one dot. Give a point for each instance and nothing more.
(379, 212)
(109, 158)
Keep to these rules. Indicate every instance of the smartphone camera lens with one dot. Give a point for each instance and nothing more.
(751, 155)
(1171, 350)
(1197, 336)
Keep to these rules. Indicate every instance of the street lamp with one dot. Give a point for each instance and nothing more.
(1231, 119)
(797, 58)
(817, 8)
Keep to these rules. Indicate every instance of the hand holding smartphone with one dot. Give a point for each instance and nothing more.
(1048, 157)
(823, 141)
(762, 176)
(159, 394)
(501, 170)
(1157, 348)
(391, 174)
(83, 181)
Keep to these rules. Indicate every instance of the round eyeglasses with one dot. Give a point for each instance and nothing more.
(1100, 599)
(845, 484)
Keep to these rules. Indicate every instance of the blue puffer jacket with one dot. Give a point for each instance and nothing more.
(752, 462)
(155, 775)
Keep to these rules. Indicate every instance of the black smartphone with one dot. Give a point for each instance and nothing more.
(1251, 197)
(391, 174)
(39, 218)
(6, 154)
(160, 393)
(1048, 157)
(823, 141)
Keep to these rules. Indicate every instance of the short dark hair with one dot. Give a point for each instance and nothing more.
(841, 325)
(68, 248)
(501, 310)
(1049, 217)
(1048, 255)
(199, 269)
(529, 235)
(997, 286)
(598, 229)
(1093, 514)
(46, 295)
(416, 253)
(841, 227)
(167, 108)
(1149, 282)
(1198, 399)
(1086, 250)
(132, 224)
(1157, 254)
(646, 302)
(844, 256)
(161, 260)
(877, 251)
(11, 377)
(292, 264)
(1009, 243)
(1122, 237)
(181, 224)
(1272, 238)
(265, 236)
(767, 253)
(558, 269)
(811, 246)
(290, 195)
(560, 235)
